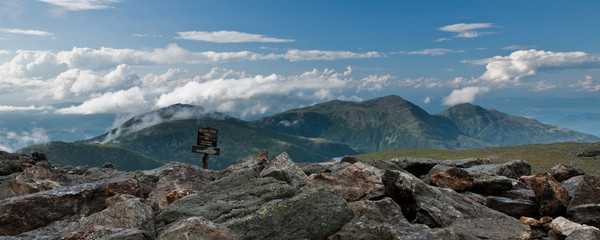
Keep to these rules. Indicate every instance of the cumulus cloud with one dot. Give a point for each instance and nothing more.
(26, 32)
(258, 94)
(543, 86)
(307, 55)
(421, 82)
(430, 52)
(122, 101)
(465, 95)
(374, 82)
(587, 85)
(525, 63)
(11, 140)
(78, 5)
(466, 30)
(228, 37)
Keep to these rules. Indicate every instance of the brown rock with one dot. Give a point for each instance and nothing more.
(552, 198)
(563, 172)
(454, 178)
(356, 182)
(585, 205)
(257, 163)
(26, 212)
(197, 228)
(178, 179)
(39, 178)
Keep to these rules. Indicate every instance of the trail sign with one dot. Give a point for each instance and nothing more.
(207, 144)
(207, 137)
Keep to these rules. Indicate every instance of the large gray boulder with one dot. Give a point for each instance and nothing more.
(178, 178)
(513, 169)
(416, 166)
(313, 214)
(197, 228)
(439, 207)
(235, 196)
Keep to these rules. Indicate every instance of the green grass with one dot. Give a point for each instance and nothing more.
(542, 157)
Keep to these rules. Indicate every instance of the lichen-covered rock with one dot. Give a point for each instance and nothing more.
(513, 169)
(322, 167)
(585, 205)
(359, 181)
(234, 196)
(439, 207)
(312, 214)
(464, 163)
(178, 178)
(454, 178)
(198, 228)
(490, 184)
(12, 163)
(256, 163)
(40, 177)
(552, 198)
(563, 172)
(284, 169)
(27, 212)
(381, 219)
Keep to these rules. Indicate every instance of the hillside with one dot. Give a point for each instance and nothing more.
(166, 139)
(93, 155)
(390, 123)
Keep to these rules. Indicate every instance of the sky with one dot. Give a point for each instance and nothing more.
(118, 58)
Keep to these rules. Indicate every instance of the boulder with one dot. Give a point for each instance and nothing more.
(312, 214)
(125, 214)
(283, 168)
(349, 159)
(27, 212)
(513, 207)
(416, 166)
(584, 234)
(565, 228)
(435, 169)
(359, 181)
(552, 198)
(464, 163)
(563, 172)
(585, 205)
(590, 152)
(322, 167)
(454, 178)
(534, 222)
(380, 219)
(198, 228)
(232, 197)
(439, 207)
(5, 185)
(487, 183)
(519, 194)
(571, 184)
(178, 179)
(385, 165)
(513, 169)
(40, 177)
(12, 163)
(256, 163)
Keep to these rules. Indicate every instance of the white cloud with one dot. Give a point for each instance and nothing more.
(78, 5)
(525, 63)
(518, 47)
(427, 100)
(4, 108)
(122, 101)
(228, 37)
(374, 82)
(307, 55)
(5, 52)
(465, 95)
(11, 141)
(421, 82)
(430, 52)
(26, 32)
(587, 85)
(258, 94)
(466, 30)
(543, 86)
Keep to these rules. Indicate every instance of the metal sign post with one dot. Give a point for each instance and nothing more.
(206, 144)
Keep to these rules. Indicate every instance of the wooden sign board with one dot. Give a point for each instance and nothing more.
(206, 150)
(207, 137)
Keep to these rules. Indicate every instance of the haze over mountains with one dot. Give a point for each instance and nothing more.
(320, 132)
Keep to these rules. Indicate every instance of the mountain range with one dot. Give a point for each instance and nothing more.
(319, 132)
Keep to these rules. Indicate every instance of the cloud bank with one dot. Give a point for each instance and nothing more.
(229, 37)
(10, 140)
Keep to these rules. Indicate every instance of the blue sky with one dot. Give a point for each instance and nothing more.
(252, 58)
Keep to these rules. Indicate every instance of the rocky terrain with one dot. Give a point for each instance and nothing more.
(405, 198)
